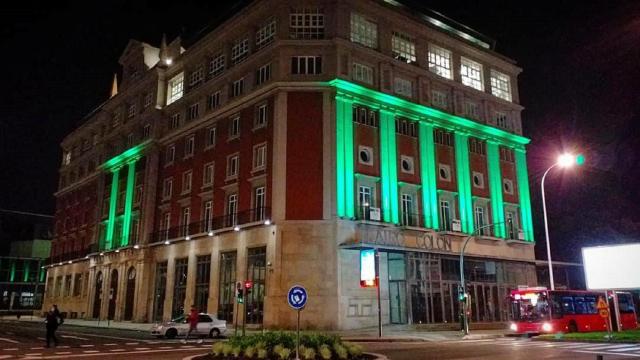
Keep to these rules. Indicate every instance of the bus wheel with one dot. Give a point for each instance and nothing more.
(573, 327)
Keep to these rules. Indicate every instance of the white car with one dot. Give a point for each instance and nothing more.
(208, 325)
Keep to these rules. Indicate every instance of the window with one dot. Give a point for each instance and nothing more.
(203, 275)
(148, 100)
(502, 120)
(259, 157)
(442, 137)
(216, 65)
(365, 155)
(175, 88)
(408, 216)
(306, 65)
(365, 116)
(477, 146)
(131, 111)
(259, 195)
(227, 289)
(175, 121)
(67, 285)
(444, 172)
(146, 131)
(232, 210)
(256, 273)
(510, 219)
(179, 287)
(196, 77)
(507, 184)
(239, 50)
(481, 219)
(406, 164)
(234, 127)
(189, 146)
(306, 24)
(403, 47)
(170, 154)
(471, 73)
(115, 121)
(500, 85)
(187, 176)
(363, 31)
(130, 140)
(478, 180)
(77, 284)
(233, 165)
(184, 221)
(207, 174)
(211, 137)
(365, 201)
(192, 113)
(237, 88)
(66, 158)
(506, 154)
(266, 34)
(445, 215)
(213, 100)
(363, 73)
(167, 188)
(472, 109)
(207, 215)
(403, 87)
(440, 61)
(263, 74)
(261, 116)
(439, 99)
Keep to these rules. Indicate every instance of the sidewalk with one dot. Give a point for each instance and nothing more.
(390, 333)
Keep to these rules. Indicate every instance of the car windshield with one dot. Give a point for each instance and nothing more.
(530, 307)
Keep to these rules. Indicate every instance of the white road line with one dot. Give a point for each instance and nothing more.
(74, 337)
(33, 354)
(114, 350)
(63, 347)
(109, 354)
(91, 351)
(63, 352)
(37, 348)
(139, 348)
(87, 345)
(166, 347)
(132, 343)
(110, 344)
(11, 349)
(6, 356)
(606, 347)
(607, 353)
(630, 348)
(9, 340)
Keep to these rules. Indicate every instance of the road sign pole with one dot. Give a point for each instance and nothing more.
(244, 309)
(298, 337)
(378, 293)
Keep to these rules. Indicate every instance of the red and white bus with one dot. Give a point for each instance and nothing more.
(538, 310)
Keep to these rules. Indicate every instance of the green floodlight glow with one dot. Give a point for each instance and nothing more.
(523, 190)
(345, 178)
(113, 203)
(580, 160)
(464, 181)
(12, 275)
(25, 277)
(428, 175)
(495, 188)
(389, 171)
(126, 156)
(128, 203)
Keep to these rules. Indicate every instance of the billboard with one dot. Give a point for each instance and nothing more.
(612, 267)
(368, 268)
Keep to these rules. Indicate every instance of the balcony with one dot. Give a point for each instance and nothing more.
(369, 213)
(216, 224)
(411, 220)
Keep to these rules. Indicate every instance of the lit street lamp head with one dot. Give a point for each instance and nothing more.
(566, 160)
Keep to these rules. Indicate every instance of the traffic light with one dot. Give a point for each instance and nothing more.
(239, 293)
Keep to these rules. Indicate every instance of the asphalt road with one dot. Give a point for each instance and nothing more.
(503, 348)
(26, 340)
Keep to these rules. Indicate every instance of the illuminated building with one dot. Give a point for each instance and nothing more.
(281, 143)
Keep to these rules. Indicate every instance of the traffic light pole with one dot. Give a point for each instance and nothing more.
(465, 299)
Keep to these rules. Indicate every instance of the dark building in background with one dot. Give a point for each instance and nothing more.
(566, 275)
(25, 244)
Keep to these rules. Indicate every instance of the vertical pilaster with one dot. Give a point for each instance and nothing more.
(388, 167)
(128, 203)
(464, 181)
(523, 191)
(345, 175)
(428, 175)
(113, 204)
(495, 188)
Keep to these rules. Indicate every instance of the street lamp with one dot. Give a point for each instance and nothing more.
(462, 284)
(564, 161)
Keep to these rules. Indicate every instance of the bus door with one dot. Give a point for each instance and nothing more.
(613, 310)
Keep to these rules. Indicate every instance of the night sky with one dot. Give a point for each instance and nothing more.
(580, 88)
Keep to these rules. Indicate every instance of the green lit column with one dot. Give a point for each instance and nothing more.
(25, 277)
(495, 188)
(523, 190)
(128, 202)
(428, 175)
(345, 176)
(12, 275)
(464, 181)
(113, 204)
(388, 167)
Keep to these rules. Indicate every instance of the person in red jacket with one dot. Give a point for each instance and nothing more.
(192, 319)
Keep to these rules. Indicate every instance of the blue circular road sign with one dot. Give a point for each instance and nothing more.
(297, 297)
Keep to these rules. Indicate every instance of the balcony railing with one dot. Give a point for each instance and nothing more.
(217, 223)
(369, 213)
(412, 220)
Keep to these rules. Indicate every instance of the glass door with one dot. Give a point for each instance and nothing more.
(398, 301)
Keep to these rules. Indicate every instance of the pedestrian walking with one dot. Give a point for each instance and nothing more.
(53, 320)
(192, 319)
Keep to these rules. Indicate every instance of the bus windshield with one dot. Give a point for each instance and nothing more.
(532, 306)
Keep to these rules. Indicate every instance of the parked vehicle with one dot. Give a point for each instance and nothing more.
(208, 325)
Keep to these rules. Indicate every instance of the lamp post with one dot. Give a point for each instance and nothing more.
(462, 284)
(564, 161)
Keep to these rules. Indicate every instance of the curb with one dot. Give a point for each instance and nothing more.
(378, 356)
(482, 337)
(373, 339)
(194, 356)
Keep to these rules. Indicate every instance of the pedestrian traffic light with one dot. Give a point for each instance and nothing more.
(240, 296)
(462, 296)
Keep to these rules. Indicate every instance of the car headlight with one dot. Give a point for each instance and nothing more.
(513, 327)
(546, 327)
